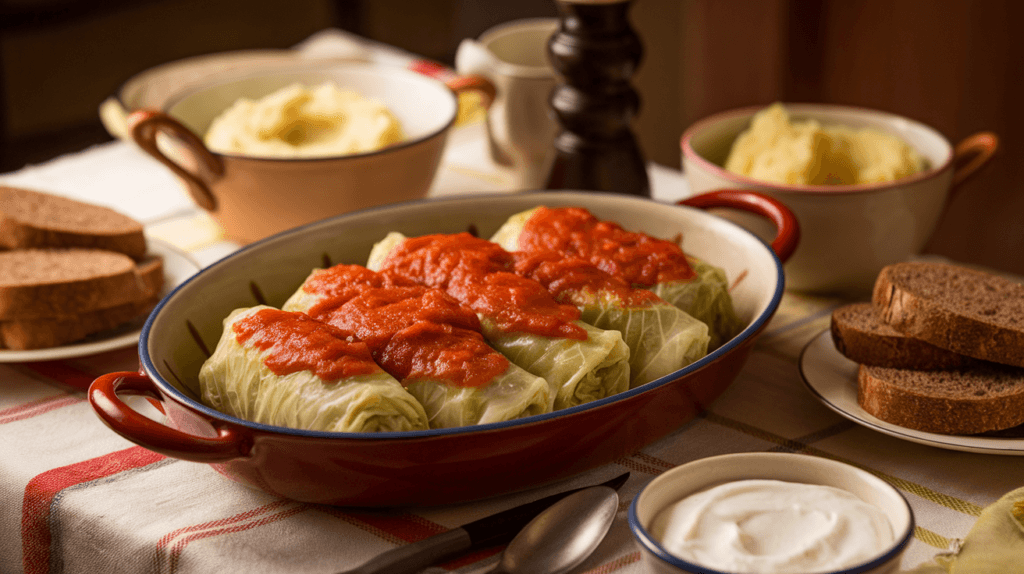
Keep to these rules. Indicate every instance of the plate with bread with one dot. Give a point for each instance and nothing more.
(936, 357)
(76, 278)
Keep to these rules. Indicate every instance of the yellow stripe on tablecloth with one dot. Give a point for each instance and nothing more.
(924, 492)
(788, 334)
(932, 538)
(643, 462)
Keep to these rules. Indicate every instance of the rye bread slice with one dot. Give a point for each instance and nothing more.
(982, 398)
(39, 283)
(861, 336)
(33, 219)
(25, 334)
(970, 312)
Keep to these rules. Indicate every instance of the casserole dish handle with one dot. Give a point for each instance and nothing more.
(146, 432)
(787, 234)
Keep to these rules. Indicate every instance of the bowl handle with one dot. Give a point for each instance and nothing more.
(787, 228)
(970, 155)
(144, 125)
(469, 82)
(458, 83)
(157, 437)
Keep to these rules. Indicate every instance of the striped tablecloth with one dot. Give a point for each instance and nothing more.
(77, 498)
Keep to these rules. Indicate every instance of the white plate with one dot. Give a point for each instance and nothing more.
(833, 379)
(178, 267)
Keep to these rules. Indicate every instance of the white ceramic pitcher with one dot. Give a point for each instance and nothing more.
(521, 125)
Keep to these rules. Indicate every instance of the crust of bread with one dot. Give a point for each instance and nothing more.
(861, 336)
(25, 334)
(51, 331)
(977, 314)
(33, 219)
(48, 283)
(69, 269)
(948, 402)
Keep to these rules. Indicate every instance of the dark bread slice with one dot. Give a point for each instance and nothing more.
(24, 334)
(151, 271)
(986, 397)
(861, 336)
(33, 219)
(43, 332)
(41, 283)
(973, 313)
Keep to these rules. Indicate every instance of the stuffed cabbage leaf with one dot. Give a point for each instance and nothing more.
(697, 287)
(334, 385)
(426, 340)
(518, 317)
(706, 297)
(661, 337)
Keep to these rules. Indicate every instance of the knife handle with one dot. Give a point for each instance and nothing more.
(412, 558)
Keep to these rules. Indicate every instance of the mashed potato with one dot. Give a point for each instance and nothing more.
(777, 150)
(298, 121)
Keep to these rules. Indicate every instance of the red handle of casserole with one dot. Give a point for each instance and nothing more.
(787, 234)
(157, 437)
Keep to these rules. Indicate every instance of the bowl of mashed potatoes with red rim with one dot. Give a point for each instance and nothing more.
(867, 186)
(270, 149)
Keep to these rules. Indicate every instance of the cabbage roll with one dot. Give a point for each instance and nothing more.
(426, 340)
(706, 298)
(519, 318)
(661, 337)
(286, 369)
(694, 286)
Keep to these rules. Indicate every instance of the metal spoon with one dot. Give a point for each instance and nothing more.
(563, 536)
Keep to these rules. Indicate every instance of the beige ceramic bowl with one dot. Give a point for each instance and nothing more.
(154, 87)
(254, 197)
(848, 232)
(701, 474)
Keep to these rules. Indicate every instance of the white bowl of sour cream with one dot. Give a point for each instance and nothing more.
(770, 513)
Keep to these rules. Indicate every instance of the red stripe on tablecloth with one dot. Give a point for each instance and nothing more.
(41, 490)
(167, 538)
(62, 373)
(407, 528)
(395, 528)
(181, 543)
(35, 408)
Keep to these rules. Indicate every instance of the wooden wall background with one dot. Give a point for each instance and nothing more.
(954, 64)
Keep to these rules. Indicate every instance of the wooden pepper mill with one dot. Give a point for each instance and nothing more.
(596, 51)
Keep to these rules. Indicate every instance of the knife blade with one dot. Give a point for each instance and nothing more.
(489, 531)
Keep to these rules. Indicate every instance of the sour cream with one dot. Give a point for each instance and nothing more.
(771, 526)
